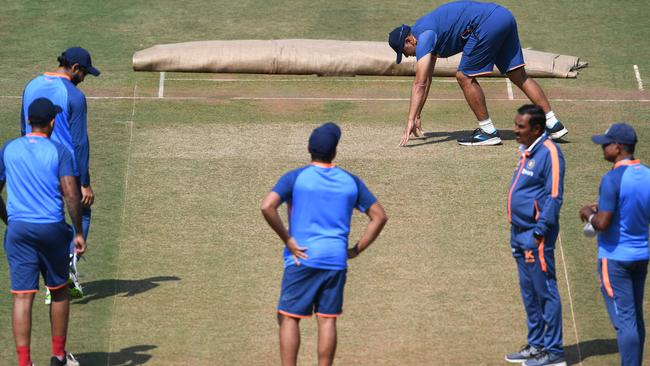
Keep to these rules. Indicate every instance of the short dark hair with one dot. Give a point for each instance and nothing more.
(536, 113)
(63, 62)
(628, 148)
(38, 122)
(325, 158)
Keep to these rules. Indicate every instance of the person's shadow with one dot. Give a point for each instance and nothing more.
(590, 348)
(130, 356)
(445, 136)
(97, 290)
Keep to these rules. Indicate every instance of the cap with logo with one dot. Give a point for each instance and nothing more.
(397, 38)
(618, 133)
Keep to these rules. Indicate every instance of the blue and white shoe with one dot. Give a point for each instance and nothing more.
(481, 138)
(546, 358)
(525, 353)
(557, 131)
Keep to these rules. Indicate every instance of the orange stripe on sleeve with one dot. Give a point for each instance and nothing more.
(555, 168)
(606, 283)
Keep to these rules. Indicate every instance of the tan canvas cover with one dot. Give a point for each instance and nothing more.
(321, 57)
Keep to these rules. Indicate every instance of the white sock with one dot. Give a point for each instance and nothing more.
(551, 120)
(487, 126)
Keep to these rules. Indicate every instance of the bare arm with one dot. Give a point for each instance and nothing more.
(378, 219)
(269, 207)
(601, 219)
(419, 92)
(72, 198)
(3, 207)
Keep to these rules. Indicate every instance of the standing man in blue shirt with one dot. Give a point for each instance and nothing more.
(622, 216)
(320, 200)
(534, 203)
(71, 128)
(486, 34)
(39, 175)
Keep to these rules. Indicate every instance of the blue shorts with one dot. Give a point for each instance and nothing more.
(495, 41)
(307, 290)
(37, 248)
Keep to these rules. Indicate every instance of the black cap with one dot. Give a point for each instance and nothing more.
(42, 110)
(324, 138)
(618, 133)
(78, 55)
(396, 40)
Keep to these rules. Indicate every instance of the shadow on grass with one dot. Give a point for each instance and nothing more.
(130, 356)
(97, 290)
(439, 137)
(590, 348)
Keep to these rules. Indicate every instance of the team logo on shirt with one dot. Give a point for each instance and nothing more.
(529, 256)
(531, 164)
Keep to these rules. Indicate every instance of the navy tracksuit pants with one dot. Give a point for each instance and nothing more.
(538, 285)
(622, 284)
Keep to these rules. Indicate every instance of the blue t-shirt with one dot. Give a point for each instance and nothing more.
(32, 166)
(625, 191)
(320, 200)
(444, 31)
(70, 126)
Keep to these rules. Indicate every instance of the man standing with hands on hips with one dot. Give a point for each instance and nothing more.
(534, 203)
(621, 217)
(320, 199)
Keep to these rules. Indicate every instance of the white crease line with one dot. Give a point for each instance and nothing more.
(568, 286)
(123, 222)
(511, 96)
(352, 99)
(637, 73)
(161, 85)
(322, 79)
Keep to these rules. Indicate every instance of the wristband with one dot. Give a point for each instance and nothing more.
(590, 218)
(356, 248)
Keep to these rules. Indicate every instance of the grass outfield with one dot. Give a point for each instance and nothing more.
(182, 270)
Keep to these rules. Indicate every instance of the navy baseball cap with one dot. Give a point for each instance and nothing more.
(78, 55)
(396, 40)
(618, 133)
(324, 138)
(42, 110)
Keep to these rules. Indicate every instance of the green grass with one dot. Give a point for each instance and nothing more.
(181, 267)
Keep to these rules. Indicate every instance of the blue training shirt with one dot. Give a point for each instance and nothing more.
(444, 31)
(32, 166)
(320, 200)
(70, 126)
(625, 191)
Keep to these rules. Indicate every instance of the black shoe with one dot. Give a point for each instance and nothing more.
(481, 138)
(69, 360)
(557, 131)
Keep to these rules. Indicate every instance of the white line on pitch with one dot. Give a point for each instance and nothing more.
(637, 73)
(350, 80)
(161, 85)
(568, 287)
(509, 89)
(352, 99)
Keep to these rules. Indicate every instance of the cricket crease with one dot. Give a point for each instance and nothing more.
(637, 73)
(568, 286)
(122, 225)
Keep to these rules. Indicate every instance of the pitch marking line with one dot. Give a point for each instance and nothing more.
(161, 85)
(123, 219)
(637, 73)
(341, 99)
(568, 286)
(319, 80)
(511, 96)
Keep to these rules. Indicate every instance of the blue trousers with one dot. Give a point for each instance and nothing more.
(622, 283)
(541, 297)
